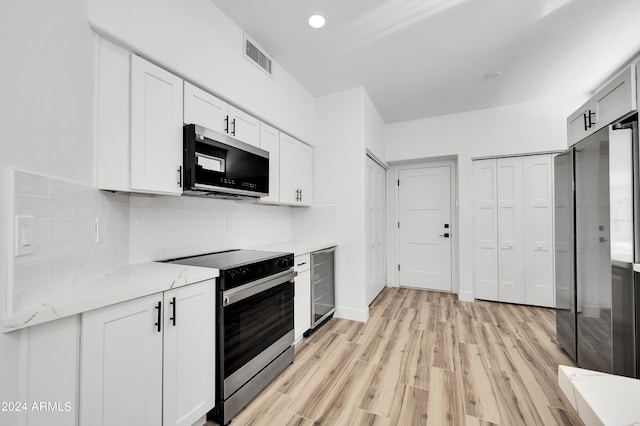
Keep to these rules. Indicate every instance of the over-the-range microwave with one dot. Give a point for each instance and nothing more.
(218, 165)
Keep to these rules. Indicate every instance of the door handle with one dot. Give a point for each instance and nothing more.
(173, 316)
(158, 324)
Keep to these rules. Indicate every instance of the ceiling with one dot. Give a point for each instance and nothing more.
(423, 58)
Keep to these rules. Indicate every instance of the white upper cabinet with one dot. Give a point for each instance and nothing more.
(203, 108)
(303, 163)
(610, 103)
(156, 129)
(244, 127)
(270, 142)
(139, 124)
(295, 171)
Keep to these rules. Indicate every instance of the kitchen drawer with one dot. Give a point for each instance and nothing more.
(302, 262)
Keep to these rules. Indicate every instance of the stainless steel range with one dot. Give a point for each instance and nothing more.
(254, 330)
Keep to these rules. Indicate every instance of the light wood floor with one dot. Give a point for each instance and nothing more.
(423, 358)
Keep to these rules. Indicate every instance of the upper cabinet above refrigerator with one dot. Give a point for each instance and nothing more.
(611, 102)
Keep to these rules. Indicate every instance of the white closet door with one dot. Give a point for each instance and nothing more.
(375, 271)
(538, 230)
(510, 230)
(485, 230)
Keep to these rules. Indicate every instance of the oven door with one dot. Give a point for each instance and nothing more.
(257, 326)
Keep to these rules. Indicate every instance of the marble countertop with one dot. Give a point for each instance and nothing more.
(124, 284)
(296, 246)
(600, 398)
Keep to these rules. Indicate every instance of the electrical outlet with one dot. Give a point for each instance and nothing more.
(25, 235)
(98, 229)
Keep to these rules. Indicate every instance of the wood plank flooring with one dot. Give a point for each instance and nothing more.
(424, 358)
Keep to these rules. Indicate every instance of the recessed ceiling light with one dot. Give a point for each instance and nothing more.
(492, 75)
(316, 21)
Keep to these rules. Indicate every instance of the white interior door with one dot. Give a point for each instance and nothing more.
(510, 231)
(485, 223)
(538, 230)
(376, 271)
(424, 243)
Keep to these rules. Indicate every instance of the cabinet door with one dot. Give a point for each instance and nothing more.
(485, 229)
(244, 127)
(204, 109)
(121, 365)
(303, 163)
(302, 304)
(539, 286)
(270, 142)
(112, 117)
(189, 357)
(616, 99)
(288, 188)
(510, 231)
(156, 129)
(581, 123)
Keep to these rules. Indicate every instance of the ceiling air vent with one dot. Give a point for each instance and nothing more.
(256, 55)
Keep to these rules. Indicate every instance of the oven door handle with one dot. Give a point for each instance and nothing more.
(237, 294)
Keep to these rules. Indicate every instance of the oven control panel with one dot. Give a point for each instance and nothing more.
(240, 275)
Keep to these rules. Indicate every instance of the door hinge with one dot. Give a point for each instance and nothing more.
(398, 267)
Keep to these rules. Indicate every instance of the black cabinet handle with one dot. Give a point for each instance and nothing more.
(180, 176)
(158, 324)
(591, 122)
(301, 195)
(173, 317)
(584, 117)
(226, 124)
(233, 132)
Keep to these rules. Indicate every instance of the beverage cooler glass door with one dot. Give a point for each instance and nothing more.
(322, 285)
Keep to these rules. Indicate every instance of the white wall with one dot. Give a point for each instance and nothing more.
(373, 128)
(46, 81)
(514, 129)
(198, 42)
(338, 180)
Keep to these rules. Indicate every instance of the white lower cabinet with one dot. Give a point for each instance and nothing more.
(149, 361)
(514, 230)
(302, 300)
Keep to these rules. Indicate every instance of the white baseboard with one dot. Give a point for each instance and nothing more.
(343, 312)
(466, 296)
(392, 283)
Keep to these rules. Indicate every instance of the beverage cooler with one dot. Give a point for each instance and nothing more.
(323, 302)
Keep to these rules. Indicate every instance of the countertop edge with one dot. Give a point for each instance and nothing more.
(145, 279)
(589, 392)
(297, 247)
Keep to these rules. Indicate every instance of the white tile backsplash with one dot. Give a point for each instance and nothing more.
(168, 227)
(66, 253)
(137, 228)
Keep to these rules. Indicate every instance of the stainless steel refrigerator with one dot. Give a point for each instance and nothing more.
(595, 204)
